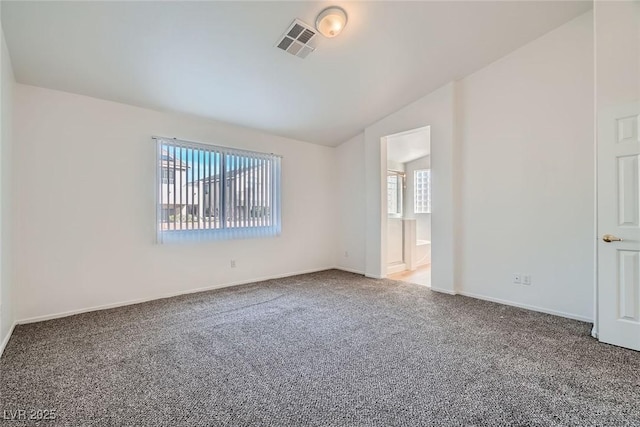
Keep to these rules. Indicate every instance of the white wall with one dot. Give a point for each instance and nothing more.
(395, 166)
(527, 174)
(512, 164)
(395, 241)
(349, 168)
(618, 60)
(423, 220)
(85, 214)
(7, 301)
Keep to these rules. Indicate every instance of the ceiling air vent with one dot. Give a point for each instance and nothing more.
(298, 39)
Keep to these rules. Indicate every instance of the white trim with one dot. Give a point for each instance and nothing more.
(445, 291)
(157, 197)
(594, 330)
(279, 276)
(206, 145)
(350, 270)
(163, 296)
(371, 276)
(527, 306)
(396, 268)
(411, 131)
(6, 339)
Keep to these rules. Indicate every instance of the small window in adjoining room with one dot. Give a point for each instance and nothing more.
(422, 200)
(394, 193)
(206, 192)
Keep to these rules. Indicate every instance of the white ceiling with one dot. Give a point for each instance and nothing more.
(218, 60)
(407, 146)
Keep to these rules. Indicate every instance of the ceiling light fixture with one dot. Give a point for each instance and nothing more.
(331, 21)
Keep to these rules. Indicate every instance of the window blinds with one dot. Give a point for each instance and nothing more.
(207, 192)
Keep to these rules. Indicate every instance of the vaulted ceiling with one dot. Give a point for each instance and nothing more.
(218, 60)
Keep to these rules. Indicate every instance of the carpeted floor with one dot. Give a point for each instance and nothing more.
(323, 349)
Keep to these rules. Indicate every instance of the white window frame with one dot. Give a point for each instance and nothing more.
(399, 184)
(252, 210)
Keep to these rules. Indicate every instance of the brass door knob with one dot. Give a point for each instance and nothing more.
(611, 238)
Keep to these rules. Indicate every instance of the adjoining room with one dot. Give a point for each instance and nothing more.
(409, 206)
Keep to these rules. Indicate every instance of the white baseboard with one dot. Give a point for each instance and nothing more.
(527, 306)
(6, 339)
(350, 270)
(444, 291)
(396, 268)
(163, 296)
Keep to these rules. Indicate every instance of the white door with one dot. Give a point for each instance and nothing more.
(619, 218)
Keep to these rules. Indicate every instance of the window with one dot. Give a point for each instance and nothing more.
(207, 192)
(422, 201)
(394, 193)
(168, 175)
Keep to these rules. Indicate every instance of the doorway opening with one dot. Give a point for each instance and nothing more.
(408, 206)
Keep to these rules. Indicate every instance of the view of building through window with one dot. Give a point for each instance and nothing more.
(212, 188)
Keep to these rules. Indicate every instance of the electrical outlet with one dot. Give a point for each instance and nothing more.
(233, 263)
(517, 278)
(526, 279)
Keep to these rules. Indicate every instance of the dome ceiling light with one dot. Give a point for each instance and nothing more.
(331, 21)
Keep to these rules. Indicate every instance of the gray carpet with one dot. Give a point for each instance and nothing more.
(323, 349)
